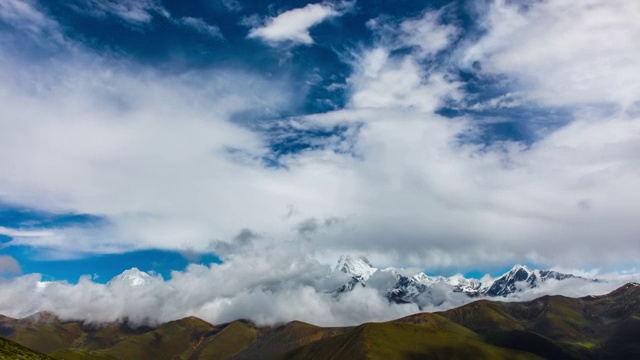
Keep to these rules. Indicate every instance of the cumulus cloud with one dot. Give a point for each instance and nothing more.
(158, 156)
(293, 25)
(382, 81)
(268, 289)
(275, 287)
(563, 53)
(426, 34)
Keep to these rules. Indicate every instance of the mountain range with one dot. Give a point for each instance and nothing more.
(418, 287)
(550, 327)
(395, 284)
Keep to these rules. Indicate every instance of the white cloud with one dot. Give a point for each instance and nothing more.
(231, 5)
(15, 233)
(426, 34)
(201, 26)
(562, 52)
(132, 11)
(385, 82)
(141, 12)
(268, 288)
(25, 16)
(391, 84)
(149, 152)
(293, 25)
(505, 101)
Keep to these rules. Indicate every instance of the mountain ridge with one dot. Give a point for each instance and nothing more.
(551, 327)
(410, 289)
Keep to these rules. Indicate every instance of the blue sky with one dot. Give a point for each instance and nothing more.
(450, 136)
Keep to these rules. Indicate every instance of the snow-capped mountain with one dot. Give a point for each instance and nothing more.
(417, 288)
(409, 288)
(356, 266)
(467, 286)
(132, 277)
(521, 276)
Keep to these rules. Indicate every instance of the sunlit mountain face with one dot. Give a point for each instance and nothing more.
(164, 159)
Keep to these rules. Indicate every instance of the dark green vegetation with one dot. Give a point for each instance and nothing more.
(13, 350)
(551, 327)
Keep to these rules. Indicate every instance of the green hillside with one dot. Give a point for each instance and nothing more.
(592, 327)
(15, 351)
(397, 340)
(171, 341)
(551, 327)
(233, 339)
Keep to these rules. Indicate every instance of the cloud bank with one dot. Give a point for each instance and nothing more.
(267, 290)
(163, 158)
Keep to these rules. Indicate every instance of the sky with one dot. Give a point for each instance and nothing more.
(447, 136)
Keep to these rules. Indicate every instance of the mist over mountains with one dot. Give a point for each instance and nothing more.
(180, 172)
(350, 292)
(549, 327)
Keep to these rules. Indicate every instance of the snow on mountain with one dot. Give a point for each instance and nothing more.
(520, 277)
(423, 278)
(507, 283)
(470, 287)
(407, 289)
(132, 277)
(356, 266)
(417, 288)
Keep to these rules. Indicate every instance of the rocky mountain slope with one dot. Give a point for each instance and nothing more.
(550, 327)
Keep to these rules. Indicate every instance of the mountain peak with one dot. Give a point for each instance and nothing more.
(408, 287)
(518, 267)
(357, 266)
(132, 277)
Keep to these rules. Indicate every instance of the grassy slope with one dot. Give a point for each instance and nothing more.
(47, 337)
(76, 354)
(47, 334)
(553, 327)
(174, 340)
(277, 341)
(558, 327)
(429, 337)
(234, 338)
(15, 351)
